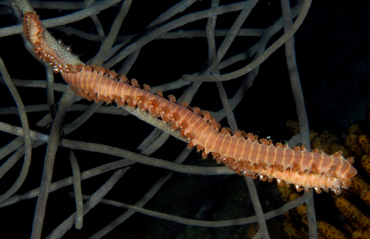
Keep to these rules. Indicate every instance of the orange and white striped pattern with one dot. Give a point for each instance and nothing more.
(242, 152)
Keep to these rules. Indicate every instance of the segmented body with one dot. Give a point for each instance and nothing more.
(241, 152)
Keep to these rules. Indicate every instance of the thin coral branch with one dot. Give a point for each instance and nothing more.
(300, 107)
(77, 190)
(49, 163)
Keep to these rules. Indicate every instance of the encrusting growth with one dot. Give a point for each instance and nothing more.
(242, 152)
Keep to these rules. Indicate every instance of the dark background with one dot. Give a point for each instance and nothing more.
(332, 51)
